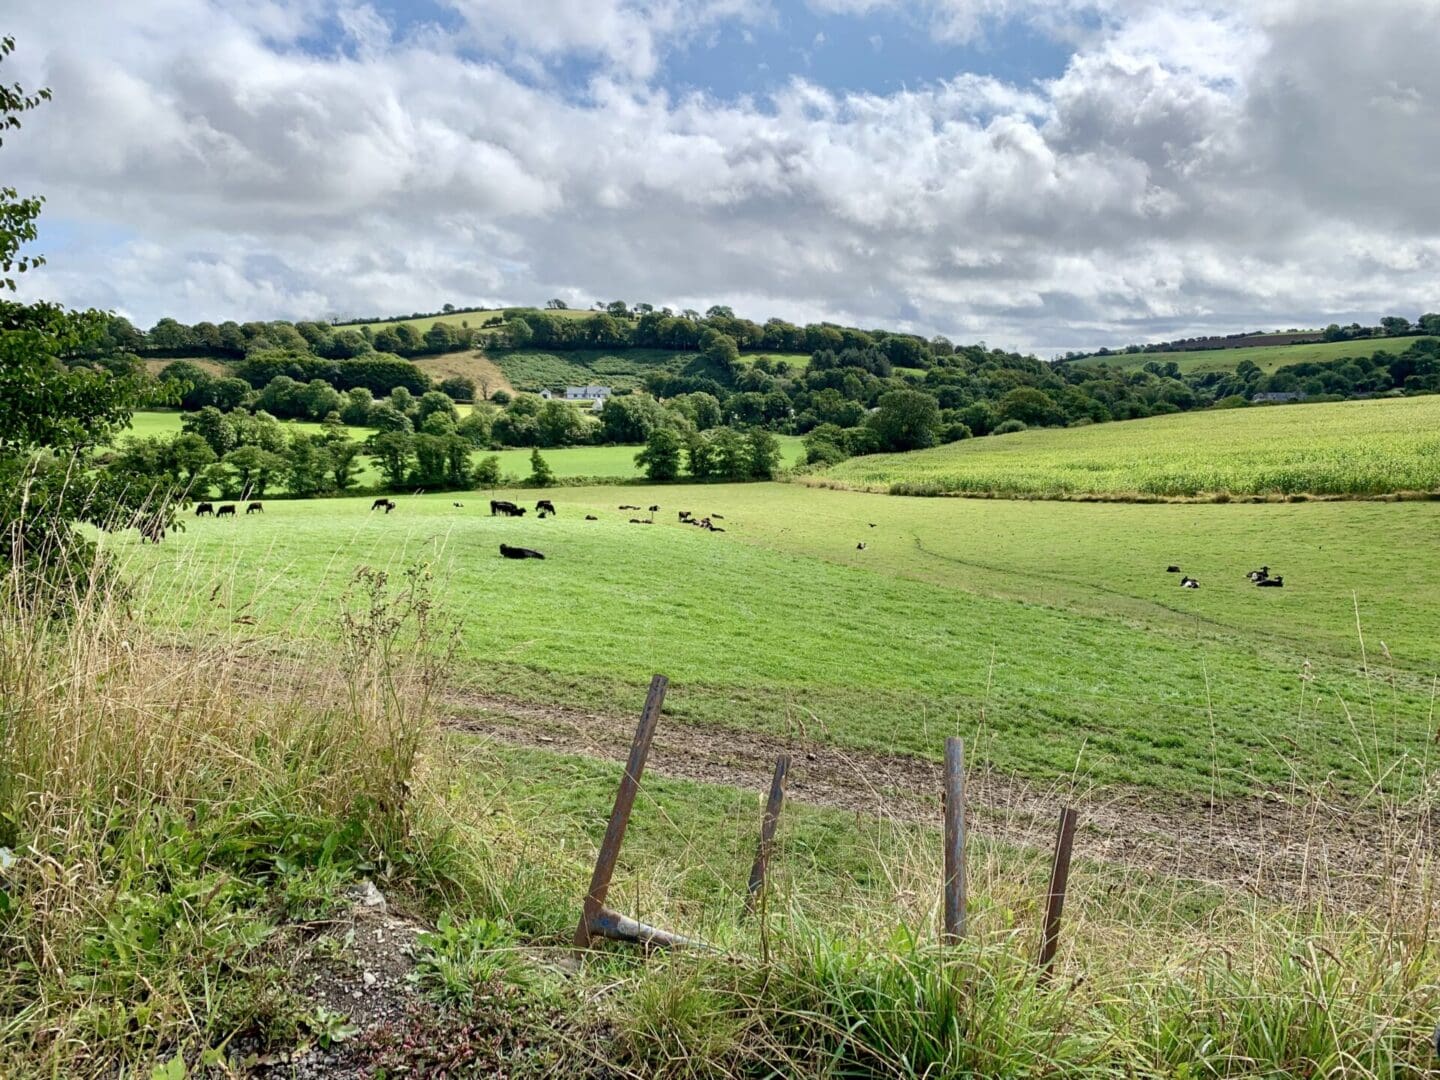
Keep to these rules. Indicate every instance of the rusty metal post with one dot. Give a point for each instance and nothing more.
(620, 815)
(773, 807)
(954, 840)
(1055, 901)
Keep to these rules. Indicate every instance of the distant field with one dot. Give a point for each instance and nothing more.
(1348, 448)
(459, 318)
(598, 461)
(1267, 357)
(1049, 634)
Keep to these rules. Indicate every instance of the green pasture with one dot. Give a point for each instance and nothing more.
(1267, 357)
(1345, 448)
(1048, 634)
(621, 369)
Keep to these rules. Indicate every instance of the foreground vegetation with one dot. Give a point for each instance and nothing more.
(1355, 448)
(170, 874)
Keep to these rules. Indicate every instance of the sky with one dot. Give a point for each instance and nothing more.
(1037, 174)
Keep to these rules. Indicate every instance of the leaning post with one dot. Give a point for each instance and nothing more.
(954, 920)
(773, 805)
(620, 815)
(1055, 900)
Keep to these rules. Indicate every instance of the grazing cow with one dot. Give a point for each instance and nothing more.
(654, 508)
(228, 510)
(1260, 575)
(860, 546)
(1189, 583)
(498, 506)
(382, 504)
(591, 517)
(519, 553)
(718, 517)
(546, 506)
(1172, 569)
(255, 508)
(1271, 583)
(458, 506)
(627, 506)
(716, 528)
(871, 524)
(205, 508)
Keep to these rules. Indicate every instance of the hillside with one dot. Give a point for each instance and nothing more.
(1267, 357)
(1351, 448)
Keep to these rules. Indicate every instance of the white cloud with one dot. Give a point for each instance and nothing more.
(1196, 165)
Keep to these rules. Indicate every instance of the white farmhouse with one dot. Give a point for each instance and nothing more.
(596, 394)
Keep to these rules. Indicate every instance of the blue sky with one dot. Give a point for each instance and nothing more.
(1039, 174)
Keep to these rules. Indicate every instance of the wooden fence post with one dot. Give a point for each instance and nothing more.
(954, 927)
(1055, 900)
(620, 815)
(773, 807)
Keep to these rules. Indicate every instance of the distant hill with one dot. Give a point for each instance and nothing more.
(1267, 358)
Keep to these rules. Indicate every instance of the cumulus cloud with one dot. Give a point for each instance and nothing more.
(1196, 166)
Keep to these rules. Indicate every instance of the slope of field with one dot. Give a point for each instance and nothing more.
(1349, 448)
(1267, 357)
(472, 319)
(1050, 635)
(475, 365)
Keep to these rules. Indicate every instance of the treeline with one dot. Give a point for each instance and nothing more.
(1415, 370)
(1391, 326)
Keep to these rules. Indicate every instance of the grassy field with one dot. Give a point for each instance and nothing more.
(623, 369)
(1349, 448)
(571, 461)
(1267, 357)
(1047, 633)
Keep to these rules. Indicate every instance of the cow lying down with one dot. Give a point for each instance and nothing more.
(519, 552)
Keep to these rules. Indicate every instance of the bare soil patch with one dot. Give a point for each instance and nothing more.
(1283, 846)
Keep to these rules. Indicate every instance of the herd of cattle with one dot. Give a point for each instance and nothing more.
(1260, 578)
(498, 508)
(226, 509)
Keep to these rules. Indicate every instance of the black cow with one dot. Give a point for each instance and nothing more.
(860, 546)
(1172, 569)
(228, 510)
(718, 517)
(627, 506)
(382, 504)
(1260, 575)
(1271, 583)
(458, 506)
(505, 507)
(1189, 583)
(519, 553)
(591, 517)
(255, 508)
(205, 508)
(684, 515)
(546, 505)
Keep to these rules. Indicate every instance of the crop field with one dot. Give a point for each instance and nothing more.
(1049, 634)
(607, 462)
(1267, 357)
(1358, 448)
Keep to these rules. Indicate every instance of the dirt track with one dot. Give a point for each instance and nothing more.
(1276, 847)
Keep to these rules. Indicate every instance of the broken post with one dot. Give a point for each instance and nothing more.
(619, 818)
(1055, 901)
(767, 832)
(954, 840)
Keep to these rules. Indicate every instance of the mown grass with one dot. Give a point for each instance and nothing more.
(1267, 357)
(1051, 636)
(1355, 448)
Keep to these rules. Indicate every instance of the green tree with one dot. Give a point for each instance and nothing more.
(906, 420)
(630, 418)
(392, 452)
(700, 456)
(560, 424)
(764, 454)
(487, 472)
(212, 426)
(433, 403)
(540, 472)
(732, 454)
(191, 455)
(343, 463)
(228, 394)
(661, 457)
(430, 460)
(307, 465)
(253, 470)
